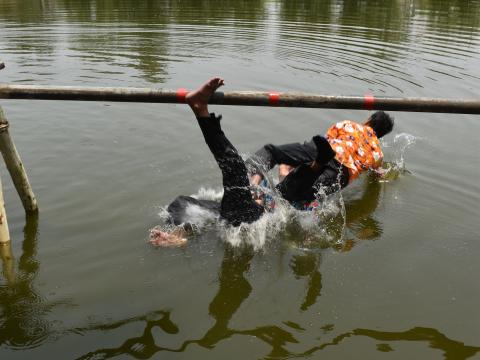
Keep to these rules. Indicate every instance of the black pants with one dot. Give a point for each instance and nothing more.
(302, 184)
(237, 205)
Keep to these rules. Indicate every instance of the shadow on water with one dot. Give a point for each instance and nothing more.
(22, 308)
(234, 289)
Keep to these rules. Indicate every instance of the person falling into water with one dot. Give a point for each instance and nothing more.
(331, 162)
(328, 163)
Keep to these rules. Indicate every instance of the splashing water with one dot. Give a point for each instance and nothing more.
(401, 142)
(209, 194)
(392, 169)
(325, 226)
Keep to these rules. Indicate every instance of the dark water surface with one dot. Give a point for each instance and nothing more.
(392, 275)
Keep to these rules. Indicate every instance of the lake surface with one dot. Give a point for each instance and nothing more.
(387, 269)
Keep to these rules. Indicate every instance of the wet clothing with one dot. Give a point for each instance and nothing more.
(237, 205)
(356, 147)
(178, 209)
(302, 183)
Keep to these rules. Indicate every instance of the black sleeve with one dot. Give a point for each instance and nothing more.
(293, 154)
(303, 183)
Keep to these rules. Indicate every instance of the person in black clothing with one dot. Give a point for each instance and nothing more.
(314, 165)
(237, 205)
(303, 169)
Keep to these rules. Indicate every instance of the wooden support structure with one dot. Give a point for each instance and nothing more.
(6, 255)
(8, 262)
(5, 247)
(4, 232)
(248, 98)
(15, 167)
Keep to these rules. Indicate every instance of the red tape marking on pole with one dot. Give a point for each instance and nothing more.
(369, 101)
(273, 99)
(181, 93)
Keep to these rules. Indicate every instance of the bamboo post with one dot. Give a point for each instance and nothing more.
(8, 265)
(246, 98)
(4, 233)
(7, 262)
(5, 244)
(15, 167)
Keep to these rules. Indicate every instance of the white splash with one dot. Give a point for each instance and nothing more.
(401, 142)
(199, 216)
(258, 233)
(325, 226)
(391, 169)
(209, 194)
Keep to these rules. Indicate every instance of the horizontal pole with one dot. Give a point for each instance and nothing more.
(246, 98)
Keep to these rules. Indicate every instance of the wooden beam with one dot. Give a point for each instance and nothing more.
(245, 98)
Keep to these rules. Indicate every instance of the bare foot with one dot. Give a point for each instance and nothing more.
(198, 99)
(163, 238)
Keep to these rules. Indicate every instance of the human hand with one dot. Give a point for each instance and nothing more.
(284, 170)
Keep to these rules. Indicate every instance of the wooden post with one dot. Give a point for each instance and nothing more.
(5, 244)
(7, 262)
(15, 167)
(4, 233)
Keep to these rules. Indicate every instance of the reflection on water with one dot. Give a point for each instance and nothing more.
(364, 40)
(339, 228)
(452, 350)
(307, 265)
(390, 45)
(141, 347)
(387, 14)
(234, 289)
(23, 309)
(359, 215)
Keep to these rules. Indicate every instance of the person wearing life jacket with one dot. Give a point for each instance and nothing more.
(325, 163)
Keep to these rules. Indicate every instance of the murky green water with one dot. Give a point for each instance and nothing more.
(396, 276)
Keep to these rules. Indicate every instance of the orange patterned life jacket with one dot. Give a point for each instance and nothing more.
(356, 147)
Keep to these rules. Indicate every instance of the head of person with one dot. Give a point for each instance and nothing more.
(381, 123)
